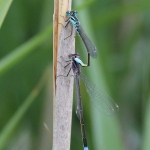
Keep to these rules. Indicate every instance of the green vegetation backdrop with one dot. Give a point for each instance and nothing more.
(121, 33)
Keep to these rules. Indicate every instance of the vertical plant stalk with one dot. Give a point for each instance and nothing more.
(63, 86)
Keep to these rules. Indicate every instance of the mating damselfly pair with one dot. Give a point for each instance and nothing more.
(99, 98)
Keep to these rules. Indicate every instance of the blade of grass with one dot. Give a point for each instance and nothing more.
(4, 7)
(145, 96)
(146, 135)
(21, 52)
(8, 130)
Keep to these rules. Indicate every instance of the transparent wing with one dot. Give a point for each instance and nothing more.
(100, 99)
(88, 44)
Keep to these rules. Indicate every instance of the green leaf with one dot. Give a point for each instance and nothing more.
(146, 135)
(21, 52)
(4, 7)
(9, 129)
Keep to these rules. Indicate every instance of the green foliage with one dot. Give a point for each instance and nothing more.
(4, 7)
(121, 33)
(12, 124)
(22, 51)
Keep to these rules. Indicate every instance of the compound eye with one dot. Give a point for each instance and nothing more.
(68, 13)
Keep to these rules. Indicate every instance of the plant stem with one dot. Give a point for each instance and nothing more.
(63, 86)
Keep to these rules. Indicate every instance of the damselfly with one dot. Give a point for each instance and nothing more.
(72, 18)
(99, 98)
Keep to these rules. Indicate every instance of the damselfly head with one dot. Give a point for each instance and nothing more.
(72, 56)
(71, 13)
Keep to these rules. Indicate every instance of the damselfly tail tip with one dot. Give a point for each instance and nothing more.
(86, 148)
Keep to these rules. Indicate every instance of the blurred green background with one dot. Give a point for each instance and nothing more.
(121, 33)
